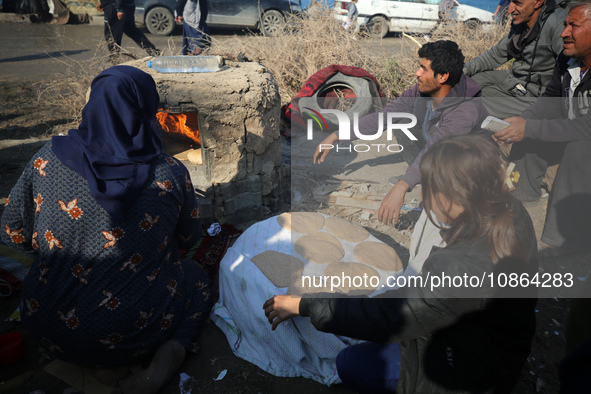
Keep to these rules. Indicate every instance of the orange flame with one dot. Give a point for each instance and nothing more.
(183, 123)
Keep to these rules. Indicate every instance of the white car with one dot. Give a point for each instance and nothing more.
(410, 16)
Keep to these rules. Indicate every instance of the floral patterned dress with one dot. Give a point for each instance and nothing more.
(103, 292)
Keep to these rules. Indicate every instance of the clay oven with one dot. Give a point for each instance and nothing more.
(241, 177)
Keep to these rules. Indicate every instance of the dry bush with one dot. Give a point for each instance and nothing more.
(472, 43)
(68, 92)
(311, 44)
(396, 73)
(308, 45)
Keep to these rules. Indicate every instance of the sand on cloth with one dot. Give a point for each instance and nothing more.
(378, 255)
(320, 248)
(301, 222)
(281, 269)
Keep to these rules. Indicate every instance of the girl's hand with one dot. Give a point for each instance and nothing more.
(280, 308)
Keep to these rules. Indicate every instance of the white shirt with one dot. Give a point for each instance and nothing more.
(574, 69)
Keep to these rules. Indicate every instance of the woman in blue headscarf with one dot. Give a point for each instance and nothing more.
(105, 212)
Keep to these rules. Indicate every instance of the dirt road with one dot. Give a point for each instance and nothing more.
(38, 50)
(35, 51)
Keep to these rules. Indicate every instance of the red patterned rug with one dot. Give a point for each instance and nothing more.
(210, 250)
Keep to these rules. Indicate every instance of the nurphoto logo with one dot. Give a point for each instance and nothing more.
(394, 121)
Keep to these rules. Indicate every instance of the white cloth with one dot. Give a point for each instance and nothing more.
(214, 229)
(574, 70)
(295, 348)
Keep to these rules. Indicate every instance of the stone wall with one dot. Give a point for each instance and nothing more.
(242, 177)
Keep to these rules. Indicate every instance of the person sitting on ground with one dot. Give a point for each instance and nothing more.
(193, 15)
(556, 130)
(467, 338)
(445, 103)
(105, 211)
(533, 43)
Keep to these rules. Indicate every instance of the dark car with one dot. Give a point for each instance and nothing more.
(268, 16)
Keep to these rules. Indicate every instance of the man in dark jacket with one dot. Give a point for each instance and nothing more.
(534, 44)
(119, 19)
(557, 128)
(445, 103)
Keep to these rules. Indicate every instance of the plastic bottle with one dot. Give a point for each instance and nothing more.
(186, 64)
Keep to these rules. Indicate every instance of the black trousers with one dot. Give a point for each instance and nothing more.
(114, 29)
(568, 218)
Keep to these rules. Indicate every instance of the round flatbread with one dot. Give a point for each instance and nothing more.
(282, 269)
(320, 248)
(301, 222)
(352, 278)
(378, 255)
(345, 230)
(309, 285)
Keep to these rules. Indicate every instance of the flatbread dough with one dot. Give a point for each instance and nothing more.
(301, 222)
(281, 269)
(378, 255)
(354, 286)
(345, 230)
(316, 287)
(320, 248)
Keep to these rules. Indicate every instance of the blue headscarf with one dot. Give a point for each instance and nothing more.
(117, 140)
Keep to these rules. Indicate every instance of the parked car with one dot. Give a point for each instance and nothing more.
(268, 16)
(410, 16)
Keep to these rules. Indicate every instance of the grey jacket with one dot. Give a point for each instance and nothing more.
(547, 119)
(194, 12)
(533, 68)
(352, 11)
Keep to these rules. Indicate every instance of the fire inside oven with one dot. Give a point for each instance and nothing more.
(181, 134)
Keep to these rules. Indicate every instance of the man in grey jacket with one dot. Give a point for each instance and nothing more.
(557, 128)
(534, 43)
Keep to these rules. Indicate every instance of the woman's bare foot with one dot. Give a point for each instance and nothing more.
(168, 359)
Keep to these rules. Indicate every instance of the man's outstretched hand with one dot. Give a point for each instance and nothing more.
(281, 308)
(324, 147)
(389, 211)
